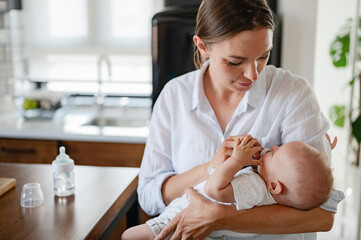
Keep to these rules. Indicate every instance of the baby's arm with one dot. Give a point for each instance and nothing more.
(218, 185)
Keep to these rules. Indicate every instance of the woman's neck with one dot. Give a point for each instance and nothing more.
(223, 101)
(216, 90)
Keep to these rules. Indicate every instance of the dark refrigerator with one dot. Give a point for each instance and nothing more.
(172, 42)
(172, 45)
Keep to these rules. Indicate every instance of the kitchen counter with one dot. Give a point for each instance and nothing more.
(103, 196)
(71, 123)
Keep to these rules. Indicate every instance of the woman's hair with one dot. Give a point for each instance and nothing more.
(218, 20)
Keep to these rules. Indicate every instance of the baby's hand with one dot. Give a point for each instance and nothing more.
(244, 149)
(333, 144)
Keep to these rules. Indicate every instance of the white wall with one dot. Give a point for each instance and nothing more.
(330, 83)
(299, 34)
(331, 87)
(308, 28)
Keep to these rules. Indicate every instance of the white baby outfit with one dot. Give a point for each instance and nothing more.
(249, 191)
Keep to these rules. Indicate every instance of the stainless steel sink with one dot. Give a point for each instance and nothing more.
(123, 117)
(118, 122)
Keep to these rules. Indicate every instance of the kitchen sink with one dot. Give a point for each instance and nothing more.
(121, 117)
(118, 122)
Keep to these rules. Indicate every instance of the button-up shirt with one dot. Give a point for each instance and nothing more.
(184, 131)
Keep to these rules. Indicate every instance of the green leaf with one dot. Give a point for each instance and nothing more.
(355, 78)
(337, 115)
(356, 128)
(352, 82)
(339, 50)
(340, 47)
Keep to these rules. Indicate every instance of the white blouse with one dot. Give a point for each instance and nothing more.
(184, 131)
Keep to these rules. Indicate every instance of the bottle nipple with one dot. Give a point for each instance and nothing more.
(264, 151)
(62, 155)
(62, 150)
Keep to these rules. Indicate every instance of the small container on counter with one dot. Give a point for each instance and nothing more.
(63, 174)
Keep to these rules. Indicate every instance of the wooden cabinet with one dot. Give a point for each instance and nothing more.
(105, 154)
(83, 153)
(28, 151)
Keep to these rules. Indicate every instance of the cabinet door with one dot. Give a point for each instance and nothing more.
(28, 151)
(105, 154)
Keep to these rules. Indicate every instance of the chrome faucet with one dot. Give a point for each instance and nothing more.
(100, 96)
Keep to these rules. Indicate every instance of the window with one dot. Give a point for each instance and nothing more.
(66, 39)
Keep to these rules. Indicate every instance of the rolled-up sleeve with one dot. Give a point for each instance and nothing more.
(150, 195)
(331, 203)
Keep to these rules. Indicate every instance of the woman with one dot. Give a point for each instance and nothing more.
(233, 94)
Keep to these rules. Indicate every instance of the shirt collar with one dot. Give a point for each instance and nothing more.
(198, 95)
(254, 97)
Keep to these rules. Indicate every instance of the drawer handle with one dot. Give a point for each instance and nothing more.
(17, 150)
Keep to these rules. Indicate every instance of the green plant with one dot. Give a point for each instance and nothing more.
(340, 52)
(338, 114)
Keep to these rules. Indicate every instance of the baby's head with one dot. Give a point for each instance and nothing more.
(297, 175)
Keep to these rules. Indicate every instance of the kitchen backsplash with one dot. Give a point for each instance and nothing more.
(5, 55)
(12, 67)
(12, 70)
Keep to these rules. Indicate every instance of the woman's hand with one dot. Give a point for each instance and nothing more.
(223, 153)
(194, 222)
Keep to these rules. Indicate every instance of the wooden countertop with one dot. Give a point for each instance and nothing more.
(101, 194)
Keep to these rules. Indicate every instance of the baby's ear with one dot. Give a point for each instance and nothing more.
(275, 187)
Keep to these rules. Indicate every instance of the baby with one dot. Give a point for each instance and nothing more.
(294, 174)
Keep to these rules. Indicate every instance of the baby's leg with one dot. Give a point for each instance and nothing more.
(155, 225)
(140, 232)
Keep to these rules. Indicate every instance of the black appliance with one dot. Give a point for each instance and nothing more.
(172, 42)
(7, 5)
(170, 3)
(172, 45)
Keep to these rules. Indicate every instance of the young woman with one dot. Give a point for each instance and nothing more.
(234, 93)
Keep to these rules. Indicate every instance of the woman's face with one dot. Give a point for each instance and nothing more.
(237, 62)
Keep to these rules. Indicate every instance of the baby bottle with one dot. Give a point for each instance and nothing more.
(264, 151)
(63, 174)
